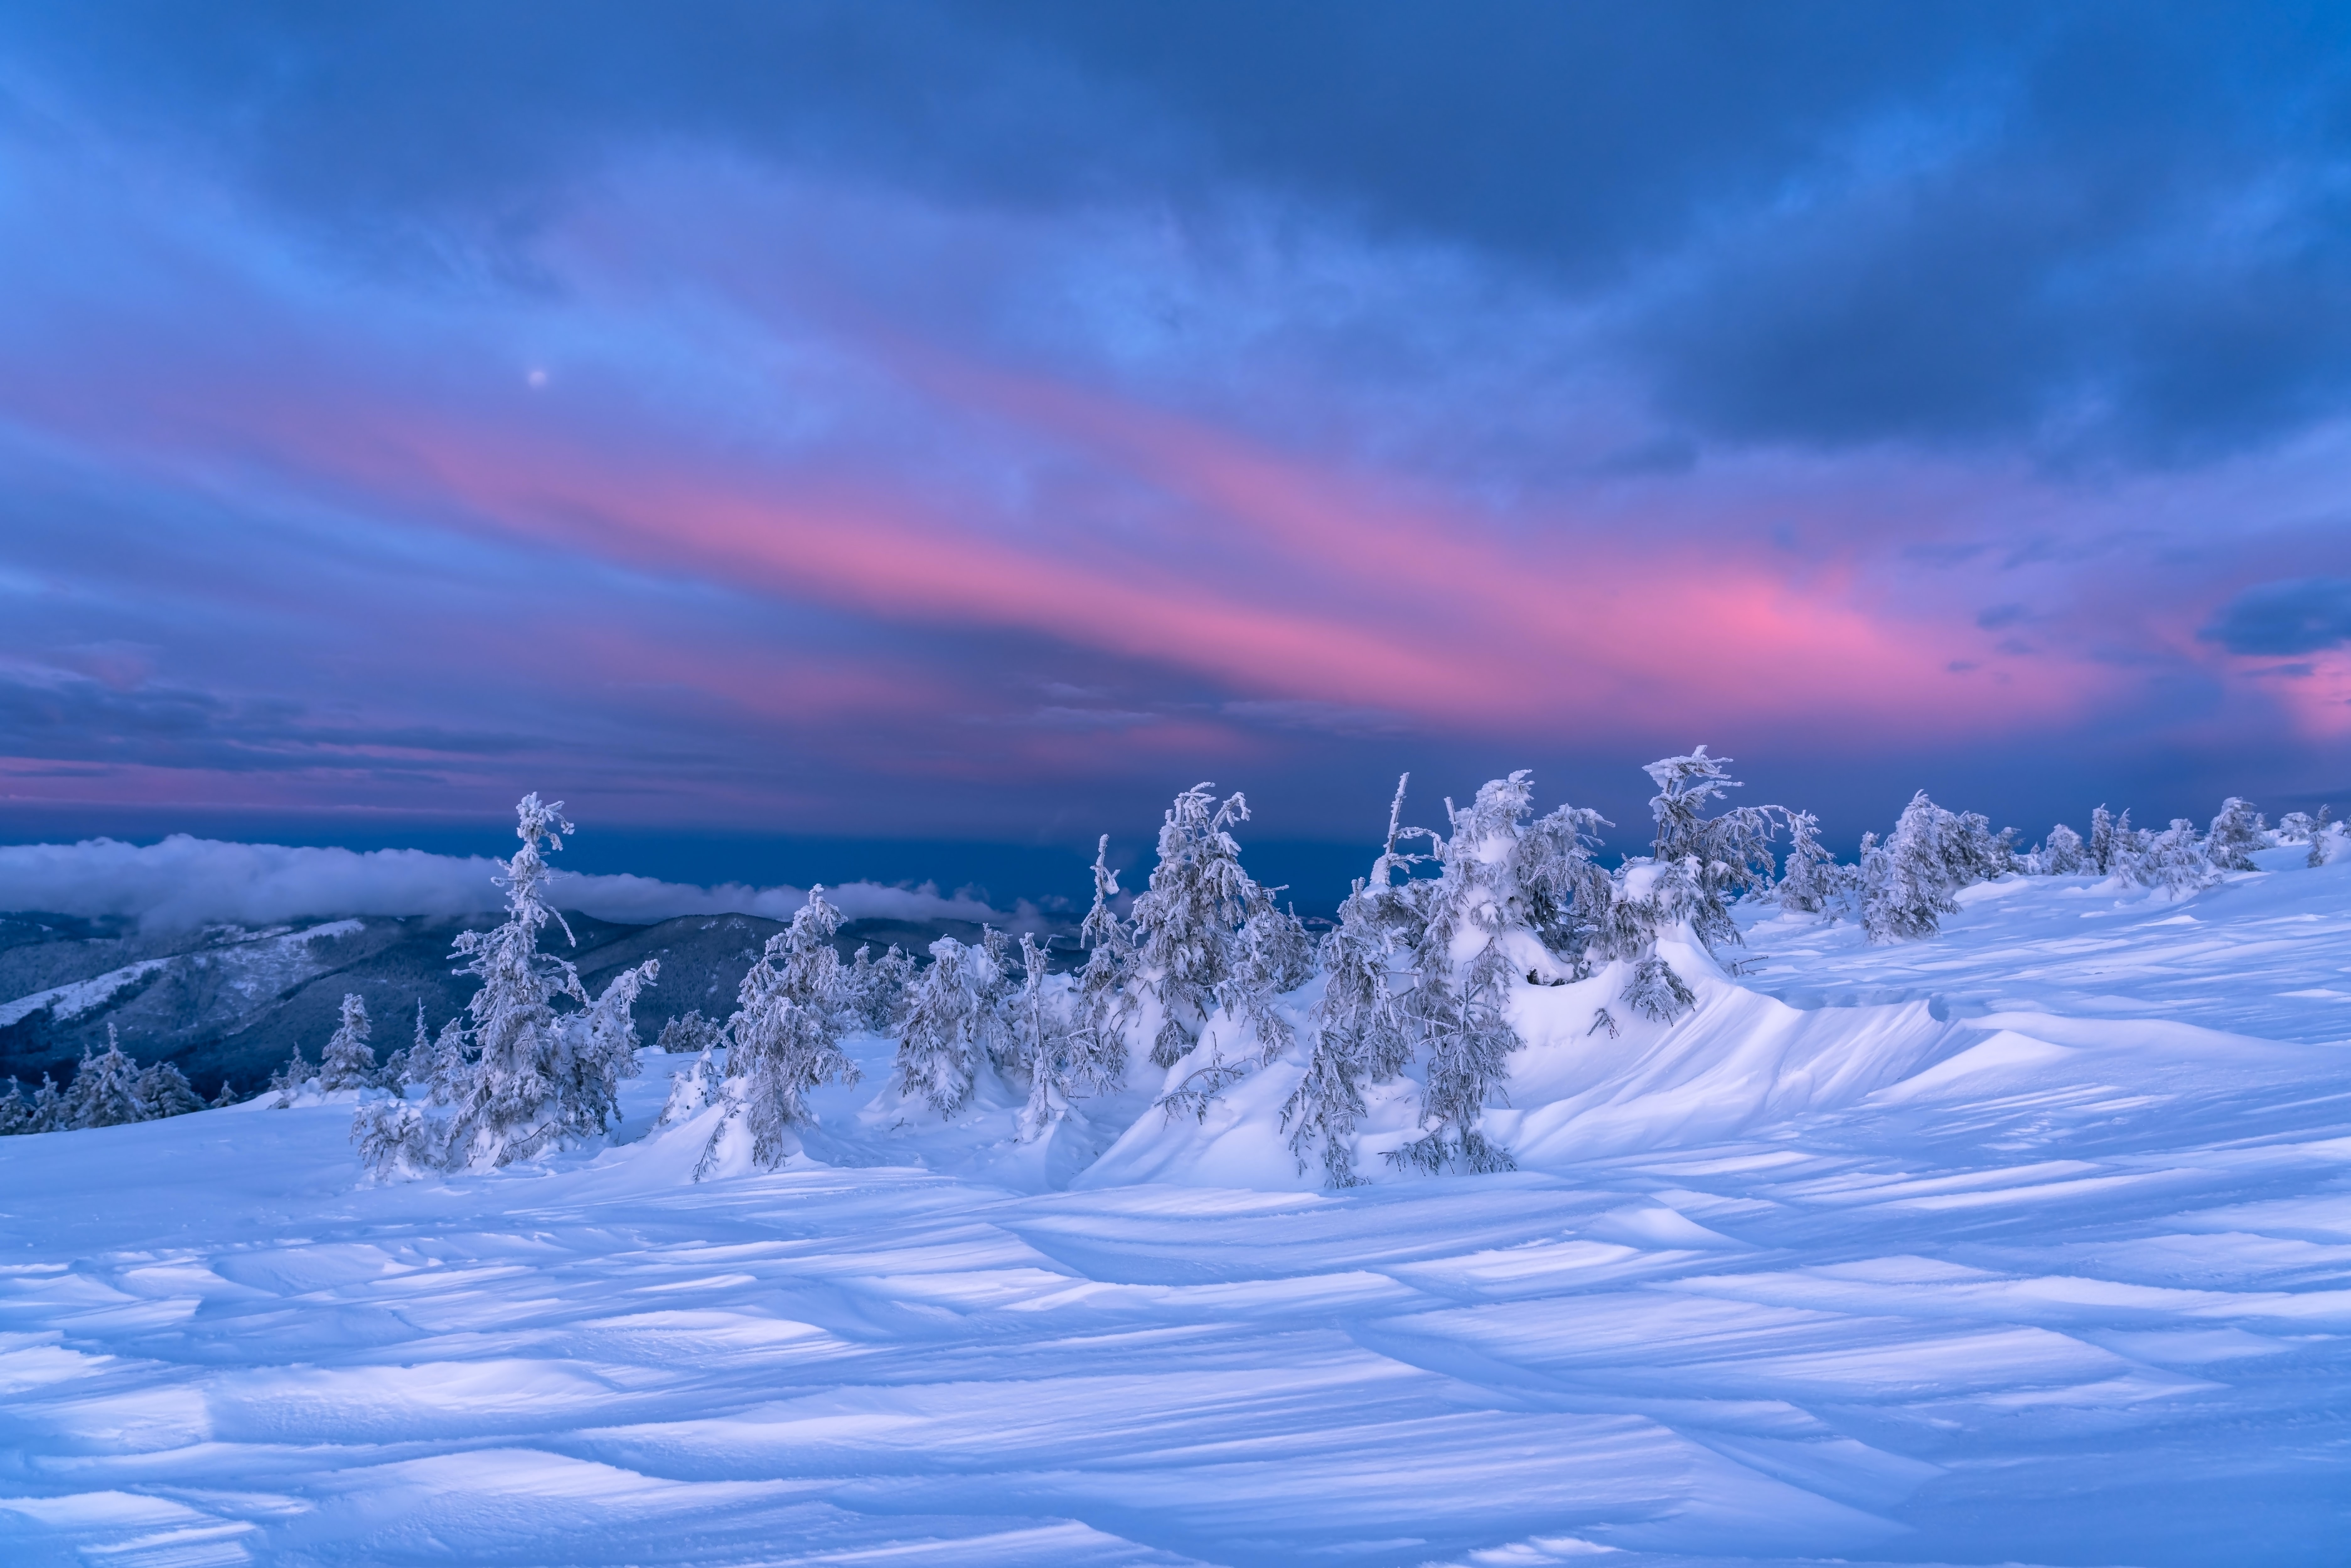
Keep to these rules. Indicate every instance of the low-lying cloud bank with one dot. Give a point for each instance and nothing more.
(186, 882)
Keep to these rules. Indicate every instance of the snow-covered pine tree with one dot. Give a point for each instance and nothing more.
(2236, 834)
(882, 998)
(1273, 957)
(1105, 1004)
(1463, 970)
(2175, 860)
(2326, 838)
(162, 1089)
(444, 1070)
(349, 1062)
(1358, 1034)
(2061, 853)
(287, 1081)
(2294, 827)
(691, 1091)
(1041, 1040)
(226, 1098)
(1654, 991)
(535, 1079)
(947, 1020)
(1188, 919)
(16, 1110)
(2102, 840)
(1910, 877)
(105, 1089)
(597, 1049)
(1808, 878)
(49, 1112)
(1727, 854)
(784, 1039)
(689, 1034)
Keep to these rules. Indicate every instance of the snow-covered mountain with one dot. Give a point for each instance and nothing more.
(231, 1002)
(2029, 1242)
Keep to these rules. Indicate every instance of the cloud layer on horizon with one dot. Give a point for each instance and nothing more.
(983, 419)
(183, 884)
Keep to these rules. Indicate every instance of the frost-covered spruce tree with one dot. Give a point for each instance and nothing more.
(946, 1035)
(2061, 853)
(692, 1091)
(2325, 839)
(1187, 921)
(785, 1036)
(534, 1080)
(1273, 955)
(1655, 992)
(1457, 1008)
(349, 1062)
(1808, 878)
(1358, 1037)
(1723, 855)
(2175, 859)
(1910, 878)
(1358, 1034)
(49, 1111)
(880, 987)
(2115, 845)
(105, 1089)
(2235, 834)
(689, 1034)
(1105, 1002)
(1063, 1062)
(15, 1111)
(162, 1089)
(287, 1081)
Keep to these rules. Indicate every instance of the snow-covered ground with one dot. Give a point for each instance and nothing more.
(2031, 1243)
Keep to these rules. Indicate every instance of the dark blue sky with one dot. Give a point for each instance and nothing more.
(968, 424)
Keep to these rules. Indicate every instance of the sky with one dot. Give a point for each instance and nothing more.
(807, 437)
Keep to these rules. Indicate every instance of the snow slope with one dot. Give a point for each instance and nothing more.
(2028, 1244)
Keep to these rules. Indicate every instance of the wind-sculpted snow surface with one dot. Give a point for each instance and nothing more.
(2027, 1243)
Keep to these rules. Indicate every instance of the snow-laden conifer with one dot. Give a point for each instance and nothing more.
(1042, 1041)
(1807, 876)
(2063, 852)
(162, 1089)
(16, 1110)
(947, 1033)
(1358, 1034)
(105, 1089)
(1105, 999)
(1724, 855)
(534, 1083)
(287, 1082)
(1909, 879)
(784, 1038)
(689, 1034)
(1655, 992)
(1457, 1008)
(879, 987)
(517, 1077)
(2102, 840)
(226, 1098)
(1187, 921)
(2235, 834)
(49, 1114)
(692, 1091)
(2174, 860)
(2327, 839)
(349, 1062)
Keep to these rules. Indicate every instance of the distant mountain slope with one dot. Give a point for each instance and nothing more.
(230, 1003)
